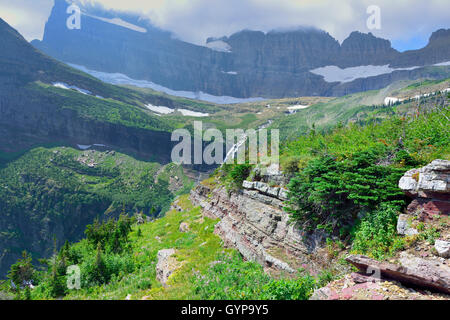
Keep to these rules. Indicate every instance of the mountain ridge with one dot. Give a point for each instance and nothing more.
(245, 64)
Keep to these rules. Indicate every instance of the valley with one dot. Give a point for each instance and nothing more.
(88, 178)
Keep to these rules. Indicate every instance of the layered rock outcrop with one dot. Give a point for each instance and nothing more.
(254, 222)
(410, 278)
(412, 271)
(430, 189)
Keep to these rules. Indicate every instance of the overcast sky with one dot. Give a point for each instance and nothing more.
(407, 23)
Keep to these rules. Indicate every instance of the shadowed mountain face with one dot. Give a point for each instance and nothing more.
(246, 64)
(34, 111)
(49, 194)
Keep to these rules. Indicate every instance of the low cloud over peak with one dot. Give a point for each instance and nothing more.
(408, 24)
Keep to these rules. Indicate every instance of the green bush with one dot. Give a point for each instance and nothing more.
(102, 257)
(290, 164)
(22, 272)
(239, 173)
(111, 235)
(231, 278)
(234, 174)
(290, 289)
(376, 234)
(329, 193)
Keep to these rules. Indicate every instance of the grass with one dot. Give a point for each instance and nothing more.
(108, 110)
(206, 270)
(363, 108)
(196, 249)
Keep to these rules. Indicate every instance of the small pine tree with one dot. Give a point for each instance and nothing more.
(27, 294)
(22, 272)
(99, 265)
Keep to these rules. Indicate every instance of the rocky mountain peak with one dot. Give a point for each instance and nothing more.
(359, 48)
(440, 35)
(246, 64)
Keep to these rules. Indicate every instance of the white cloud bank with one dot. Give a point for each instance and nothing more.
(195, 20)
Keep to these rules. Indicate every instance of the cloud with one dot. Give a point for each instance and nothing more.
(404, 21)
(27, 16)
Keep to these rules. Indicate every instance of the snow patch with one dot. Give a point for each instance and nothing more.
(234, 73)
(160, 109)
(83, 146)
(190, 113)
(119, 22)
(336, 74)
(63, 85)
(298, 107)
(121, 79)
(86, 146)
(219, 45)
(185, 112)
(391, 100)
(442, 64)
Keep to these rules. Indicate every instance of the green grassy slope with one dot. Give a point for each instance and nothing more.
(359, 107)
(206, 270)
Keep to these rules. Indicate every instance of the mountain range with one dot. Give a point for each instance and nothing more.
(73, 149)
(37, 107)
(247, 64)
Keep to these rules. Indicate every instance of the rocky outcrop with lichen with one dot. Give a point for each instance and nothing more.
(429, 189)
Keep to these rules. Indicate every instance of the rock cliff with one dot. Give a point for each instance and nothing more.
(32, 113)
(253, 221)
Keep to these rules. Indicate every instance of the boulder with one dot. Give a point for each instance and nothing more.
(430, 189)
(283, 194)
(248, 184)
(442, 248)
(273, 191)
(403, 226)
(140, 219)
(184, 227)
(434, 177)
(261, 186)
(412, 271)
(167, 264)
(264, 188)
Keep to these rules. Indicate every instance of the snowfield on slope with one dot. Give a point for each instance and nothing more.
(336, 74)
(121, 79)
